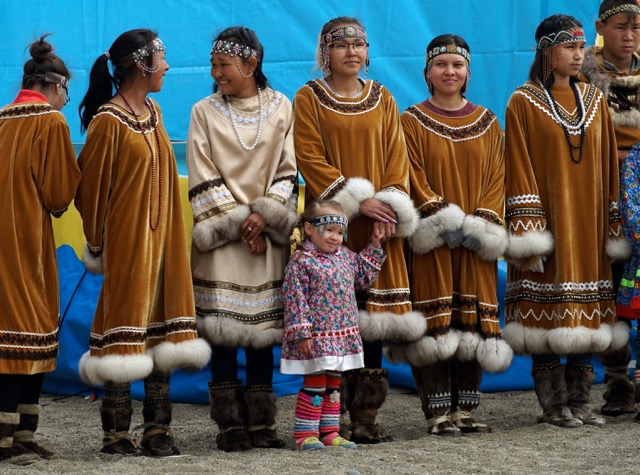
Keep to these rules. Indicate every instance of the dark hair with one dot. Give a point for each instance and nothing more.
(552, 24)
(101, 82)
(43, 60)
(609, 4)
(246, 37)
(444, 40)
(331, 25)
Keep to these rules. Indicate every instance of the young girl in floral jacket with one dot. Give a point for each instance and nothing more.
(321, 337)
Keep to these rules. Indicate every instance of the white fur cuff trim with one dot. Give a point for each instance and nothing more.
(618, 249)
(355, 192)
(279, 218)
(428, 234)
(191, 355)
(96, 370)
(494, 355)
(391, 327)
(92, 263)
(531, 243)
(217, 231)
(227, 332)
(404, 209)
(493, 237)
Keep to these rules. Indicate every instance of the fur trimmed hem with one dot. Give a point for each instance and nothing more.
(217, 231)
(355, 191)
(30, 409)
(279, 218)
(494, 355)
(618, 249)
(96, 370)
(190, 355)
(565, 341)
(404, 209)
(387, 326)
(428, 233)
(493, 237)
(427, 350)
(531, 243)
(229, 333)
(468, 345)
(92, 263)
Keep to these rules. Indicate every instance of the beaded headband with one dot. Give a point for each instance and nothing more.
(448, 49)
(630, 8)
(54, 78)
(342, 32)
(572, 35)
(153, 47)
(233, 49)
(323, 220)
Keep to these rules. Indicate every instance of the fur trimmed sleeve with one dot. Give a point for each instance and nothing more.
(217, 231)
(354, 192)
(280, 219)
(486, 229)
(403, 207)
(428, 235)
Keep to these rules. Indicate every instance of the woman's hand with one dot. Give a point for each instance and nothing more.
(376, 209)
(258, 245)
(304, 347)
(532, 264)
(252, 227)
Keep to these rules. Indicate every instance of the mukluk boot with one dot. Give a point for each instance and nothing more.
(620, 395)
(10, 452)
(579, 379)
(115, 423)
(25, 433)
(157, 438)
(433, 383)
(551, 389)
(347, 387)
(227, 410)
(467, 376)
(370, 388)
(261, 410)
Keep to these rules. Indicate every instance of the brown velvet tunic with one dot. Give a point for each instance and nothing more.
(38, 178)
(147, 295)
(569, 307)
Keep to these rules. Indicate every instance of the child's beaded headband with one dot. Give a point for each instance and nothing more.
(630, 8)
(572, 35)
(233, 49)
(321, 222)
(448, 49)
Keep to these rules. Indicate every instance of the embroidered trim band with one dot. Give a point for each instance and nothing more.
(572, 35)
(233, 49)
(342, 32)
(628, 8)
(448, 49)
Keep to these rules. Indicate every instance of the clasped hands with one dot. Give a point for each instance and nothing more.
(251, 233)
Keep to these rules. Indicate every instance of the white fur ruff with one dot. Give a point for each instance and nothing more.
(493, 237)
(494, 355)
(280, 219)
(355, 192)
(217, 231)
(468, 345)
(618, 249)
(390, 327)
(191, 355)
(92, 263)
(230, 333)
(428, 233)
(531, 243)
(404, 209)
(427, 350)
(96, 370)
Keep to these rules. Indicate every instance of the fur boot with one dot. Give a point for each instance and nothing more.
(227, 410)
(115, 424)
(579, 381)
(620, 394)
(551, 389)
(157, 438)
(260, 404)
(465, 393)
(433, 382)
(29, 418)
(10, 451)
(370, 388)
(347, 386)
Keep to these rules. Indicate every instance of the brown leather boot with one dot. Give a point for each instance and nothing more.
(115, 424)
(551, 389)
(157, 438)
(25, 433)
(465, 393)
(433, 383)
(620, 395)
(369, 393)
(11, 452)
(579, 381)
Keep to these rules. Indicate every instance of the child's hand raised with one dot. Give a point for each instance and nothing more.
(304, 347)
(377, 236)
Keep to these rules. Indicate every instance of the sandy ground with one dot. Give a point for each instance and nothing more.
(517, 445)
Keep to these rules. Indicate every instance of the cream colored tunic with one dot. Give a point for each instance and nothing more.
(38, 178)
(239, 295)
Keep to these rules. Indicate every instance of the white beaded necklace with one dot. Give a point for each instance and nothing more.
(556, 115)
(235, 127)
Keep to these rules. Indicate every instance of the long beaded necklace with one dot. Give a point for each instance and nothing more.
(566, 123)
(235, 127)
(154, 123)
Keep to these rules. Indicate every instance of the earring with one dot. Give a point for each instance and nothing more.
(366, 66)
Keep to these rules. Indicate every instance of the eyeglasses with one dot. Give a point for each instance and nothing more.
(358, 47)
(65, 91)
